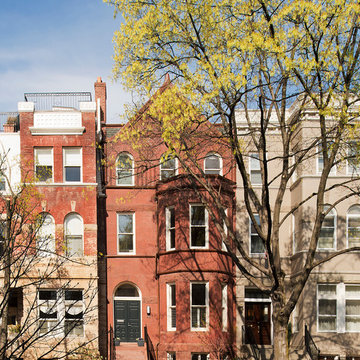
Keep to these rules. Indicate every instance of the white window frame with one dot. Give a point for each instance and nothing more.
(352, 169)
(164, 160)
(356, 216)
(199, 356)
(133, 251)
(78, 235)
(320, 162)
(212, 170)
(69, 306)
(169, 228)
(223, 246)
(333, 214)
(49, 161)
(118, 169)
(170, 288)
(199, 307)
(78, 163)
(45, 240)
(251, 234)
(341, 297)
(224, 307)
(171, 355)
(56, 327)
(206, 226)
(254, 168)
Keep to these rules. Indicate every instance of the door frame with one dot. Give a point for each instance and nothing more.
(127, 298)
(261, 300)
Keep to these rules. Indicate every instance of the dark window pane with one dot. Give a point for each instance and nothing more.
(198, 215)
(127, 290)
(125, 242)
(72, 173)
(197, 236)
(50, 314)
(172, 238)
(75, 295)
(47, 295)
(43, 172)
(198, 294)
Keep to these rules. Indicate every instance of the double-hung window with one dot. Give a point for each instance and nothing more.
(338, 307)
(45, 241)
(213, 164)
(224, 306)
(43, 164)
(199, 231)
(200, 356)
(171, 308)
(74, 313)
(48, 311)
(327, 237)
(170, 228)
(126, 235)
(171, 355)
(255, 170)
(168, 167)
(72, 158)
(199, 306)
(352, 163)
(353, 226)
(124, 170)
(61, 312)
(74, 235)
(256, 244)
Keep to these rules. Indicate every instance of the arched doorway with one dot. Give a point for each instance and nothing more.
(127, 314)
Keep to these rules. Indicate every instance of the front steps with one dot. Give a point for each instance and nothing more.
(127, 351)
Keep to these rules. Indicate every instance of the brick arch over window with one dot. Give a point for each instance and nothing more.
(74, 235)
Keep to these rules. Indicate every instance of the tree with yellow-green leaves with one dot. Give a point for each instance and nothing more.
(252, 60)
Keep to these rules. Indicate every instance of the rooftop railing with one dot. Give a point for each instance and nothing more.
(47, 101)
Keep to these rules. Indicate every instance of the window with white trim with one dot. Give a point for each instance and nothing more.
(126, 232)
(254, 169)
(124, 170)
(199, 229)
(171, 355)
(352, 162)
(2, 183)
(256, 244)
(74, 235)
(171, 307)
(199, 306)
(45, 241)
(72, 158)
(168, 167)
(338, 307)
(320, 160)
(74, 313)
(213, 164)
(353, 226)
(223, 246)
(170, 228)
(61, 312)
(327, 236)
(200, 356)
(43, 164)
(224, 307)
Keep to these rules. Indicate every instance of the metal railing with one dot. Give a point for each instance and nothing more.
(47, 101)
(5, 116)
(150, 352)
(249, 339)
(112, 353)
(310, 346)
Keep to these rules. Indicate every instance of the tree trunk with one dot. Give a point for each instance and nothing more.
(5, 293)
(280, 338)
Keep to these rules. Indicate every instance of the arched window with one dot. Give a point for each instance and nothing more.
(353, 226)
(127, 290)
(327, 236)
(124, 169)
(45, 241)
(168, 167)
(74, 235)
(213, 164)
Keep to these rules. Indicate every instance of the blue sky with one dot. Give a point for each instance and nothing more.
(57, 45)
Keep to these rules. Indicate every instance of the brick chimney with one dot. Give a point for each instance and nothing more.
(100, 93)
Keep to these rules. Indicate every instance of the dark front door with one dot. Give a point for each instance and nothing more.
(257, 323)
(127, 320)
